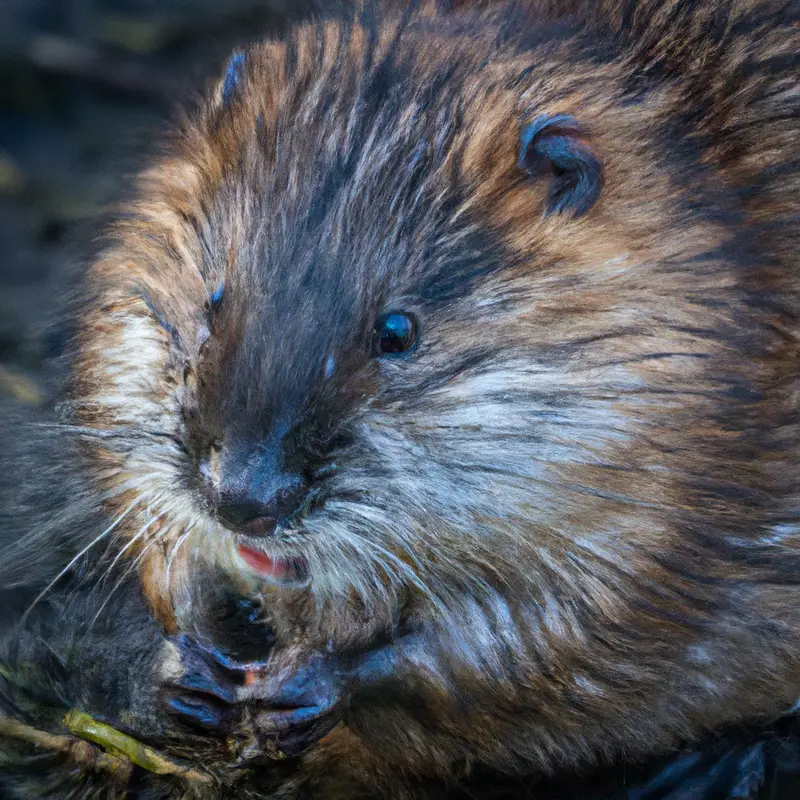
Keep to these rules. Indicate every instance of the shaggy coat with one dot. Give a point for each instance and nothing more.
(563, 527)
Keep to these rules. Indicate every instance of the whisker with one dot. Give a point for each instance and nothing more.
(80, 554)
(127, 431)
(139, 534)
(401, 567)
(125, 575)
(174, 551)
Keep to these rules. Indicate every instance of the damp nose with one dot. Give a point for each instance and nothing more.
(257, 516)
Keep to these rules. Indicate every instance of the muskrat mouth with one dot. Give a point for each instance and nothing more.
(284, 570)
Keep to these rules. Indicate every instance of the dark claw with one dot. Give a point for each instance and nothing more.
(205, 695)
(288, 705)
(296, 731)
(203, 685)
(298, 711)
(197, 712)
(203, 660)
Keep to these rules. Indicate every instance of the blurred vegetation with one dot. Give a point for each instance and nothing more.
(85, 85)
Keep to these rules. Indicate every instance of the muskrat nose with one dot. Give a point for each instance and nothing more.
(257, 516)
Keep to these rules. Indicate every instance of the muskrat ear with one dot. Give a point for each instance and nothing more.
(557, 145)
(233, 74)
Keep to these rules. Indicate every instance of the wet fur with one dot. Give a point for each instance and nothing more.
(52, 657)
(573, 511)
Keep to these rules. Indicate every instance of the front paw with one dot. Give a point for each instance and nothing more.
(279, 708)
(293, 703)
(203, 696)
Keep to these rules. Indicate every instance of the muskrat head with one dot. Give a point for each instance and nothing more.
(389, 321)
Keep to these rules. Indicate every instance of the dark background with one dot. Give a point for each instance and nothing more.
(85, 87)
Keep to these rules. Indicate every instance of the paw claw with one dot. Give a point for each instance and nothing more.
(203, 685)
(196, 712)
(205, 695)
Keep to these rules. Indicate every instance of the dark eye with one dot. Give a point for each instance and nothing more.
(395, 333)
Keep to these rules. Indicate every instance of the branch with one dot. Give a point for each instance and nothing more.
(81, 753)
(120, 744)
(122, 751)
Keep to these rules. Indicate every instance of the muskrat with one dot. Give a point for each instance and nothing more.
(461, 342)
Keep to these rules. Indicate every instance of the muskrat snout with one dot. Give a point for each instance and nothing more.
(260, 513)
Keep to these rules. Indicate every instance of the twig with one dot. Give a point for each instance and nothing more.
(81, 753)
(122, 751)
(121, 744)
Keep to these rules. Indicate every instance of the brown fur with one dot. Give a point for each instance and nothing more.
(594, 532)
